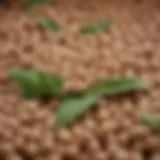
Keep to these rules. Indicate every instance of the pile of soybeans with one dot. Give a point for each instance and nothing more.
(111, 131)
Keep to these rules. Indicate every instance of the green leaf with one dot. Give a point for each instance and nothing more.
(151, 121)
(36, 84)
(89, 29)
(28, 4)
(75, 106)
(154, 123)
(48, 24)
(157, 125)
(116, 86)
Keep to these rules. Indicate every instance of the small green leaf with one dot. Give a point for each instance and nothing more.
(151, 121)
(36, 84)
(114, 86)
(157, 125)
(89, 29)
(48, 24)
(28, 4)
(75, 106)
(154, 123)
